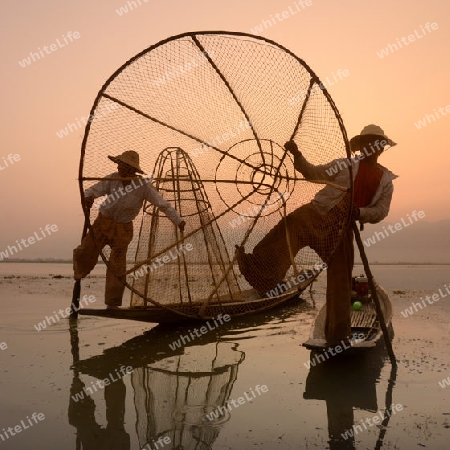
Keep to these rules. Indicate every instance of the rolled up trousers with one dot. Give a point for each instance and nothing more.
(85, 256)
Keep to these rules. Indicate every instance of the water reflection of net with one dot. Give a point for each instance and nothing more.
(173, 396)
(230, 101)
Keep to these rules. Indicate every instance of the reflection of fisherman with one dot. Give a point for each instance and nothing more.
(82, 416)
(345, 387)
(319, 224)
(114, 224)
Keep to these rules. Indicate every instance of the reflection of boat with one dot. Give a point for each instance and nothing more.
(348, 386)
(366, 330)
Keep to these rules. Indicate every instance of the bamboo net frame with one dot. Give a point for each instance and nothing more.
(225, 100)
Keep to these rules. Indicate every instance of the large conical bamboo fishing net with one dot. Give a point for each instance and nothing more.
(209, 113)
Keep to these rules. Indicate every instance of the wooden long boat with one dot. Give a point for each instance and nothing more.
(365, 327)
(190, 312)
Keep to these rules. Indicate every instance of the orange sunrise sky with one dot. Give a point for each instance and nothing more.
(394, 88)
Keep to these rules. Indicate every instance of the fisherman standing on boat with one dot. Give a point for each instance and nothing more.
(114, 224)
(320, 224)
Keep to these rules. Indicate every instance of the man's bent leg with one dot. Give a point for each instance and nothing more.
(339, 290)
(85, 256)
(271, 257)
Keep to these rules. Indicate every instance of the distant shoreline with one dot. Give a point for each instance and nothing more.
(375, 263)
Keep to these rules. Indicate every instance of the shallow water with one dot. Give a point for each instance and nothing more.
(255, 366)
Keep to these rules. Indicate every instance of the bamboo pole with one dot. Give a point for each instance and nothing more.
(374, 295)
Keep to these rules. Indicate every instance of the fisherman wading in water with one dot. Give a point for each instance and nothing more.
(320, 224)
(114, 224)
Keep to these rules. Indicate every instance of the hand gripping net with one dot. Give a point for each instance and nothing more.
(209, 113)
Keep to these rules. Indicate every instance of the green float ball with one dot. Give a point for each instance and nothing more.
(357, 306)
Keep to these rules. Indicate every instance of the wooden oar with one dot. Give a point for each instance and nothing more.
(75, 304)
(374, 295)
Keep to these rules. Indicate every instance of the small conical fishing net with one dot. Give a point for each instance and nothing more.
(209, 114)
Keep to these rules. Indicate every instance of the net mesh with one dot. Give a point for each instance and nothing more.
(208, 114)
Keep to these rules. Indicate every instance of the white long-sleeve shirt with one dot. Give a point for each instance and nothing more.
(123, 203)
(337, 172)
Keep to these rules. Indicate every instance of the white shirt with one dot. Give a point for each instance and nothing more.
(337, 172)
(124, 202)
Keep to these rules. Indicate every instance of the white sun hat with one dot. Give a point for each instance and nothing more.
(370, 130)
